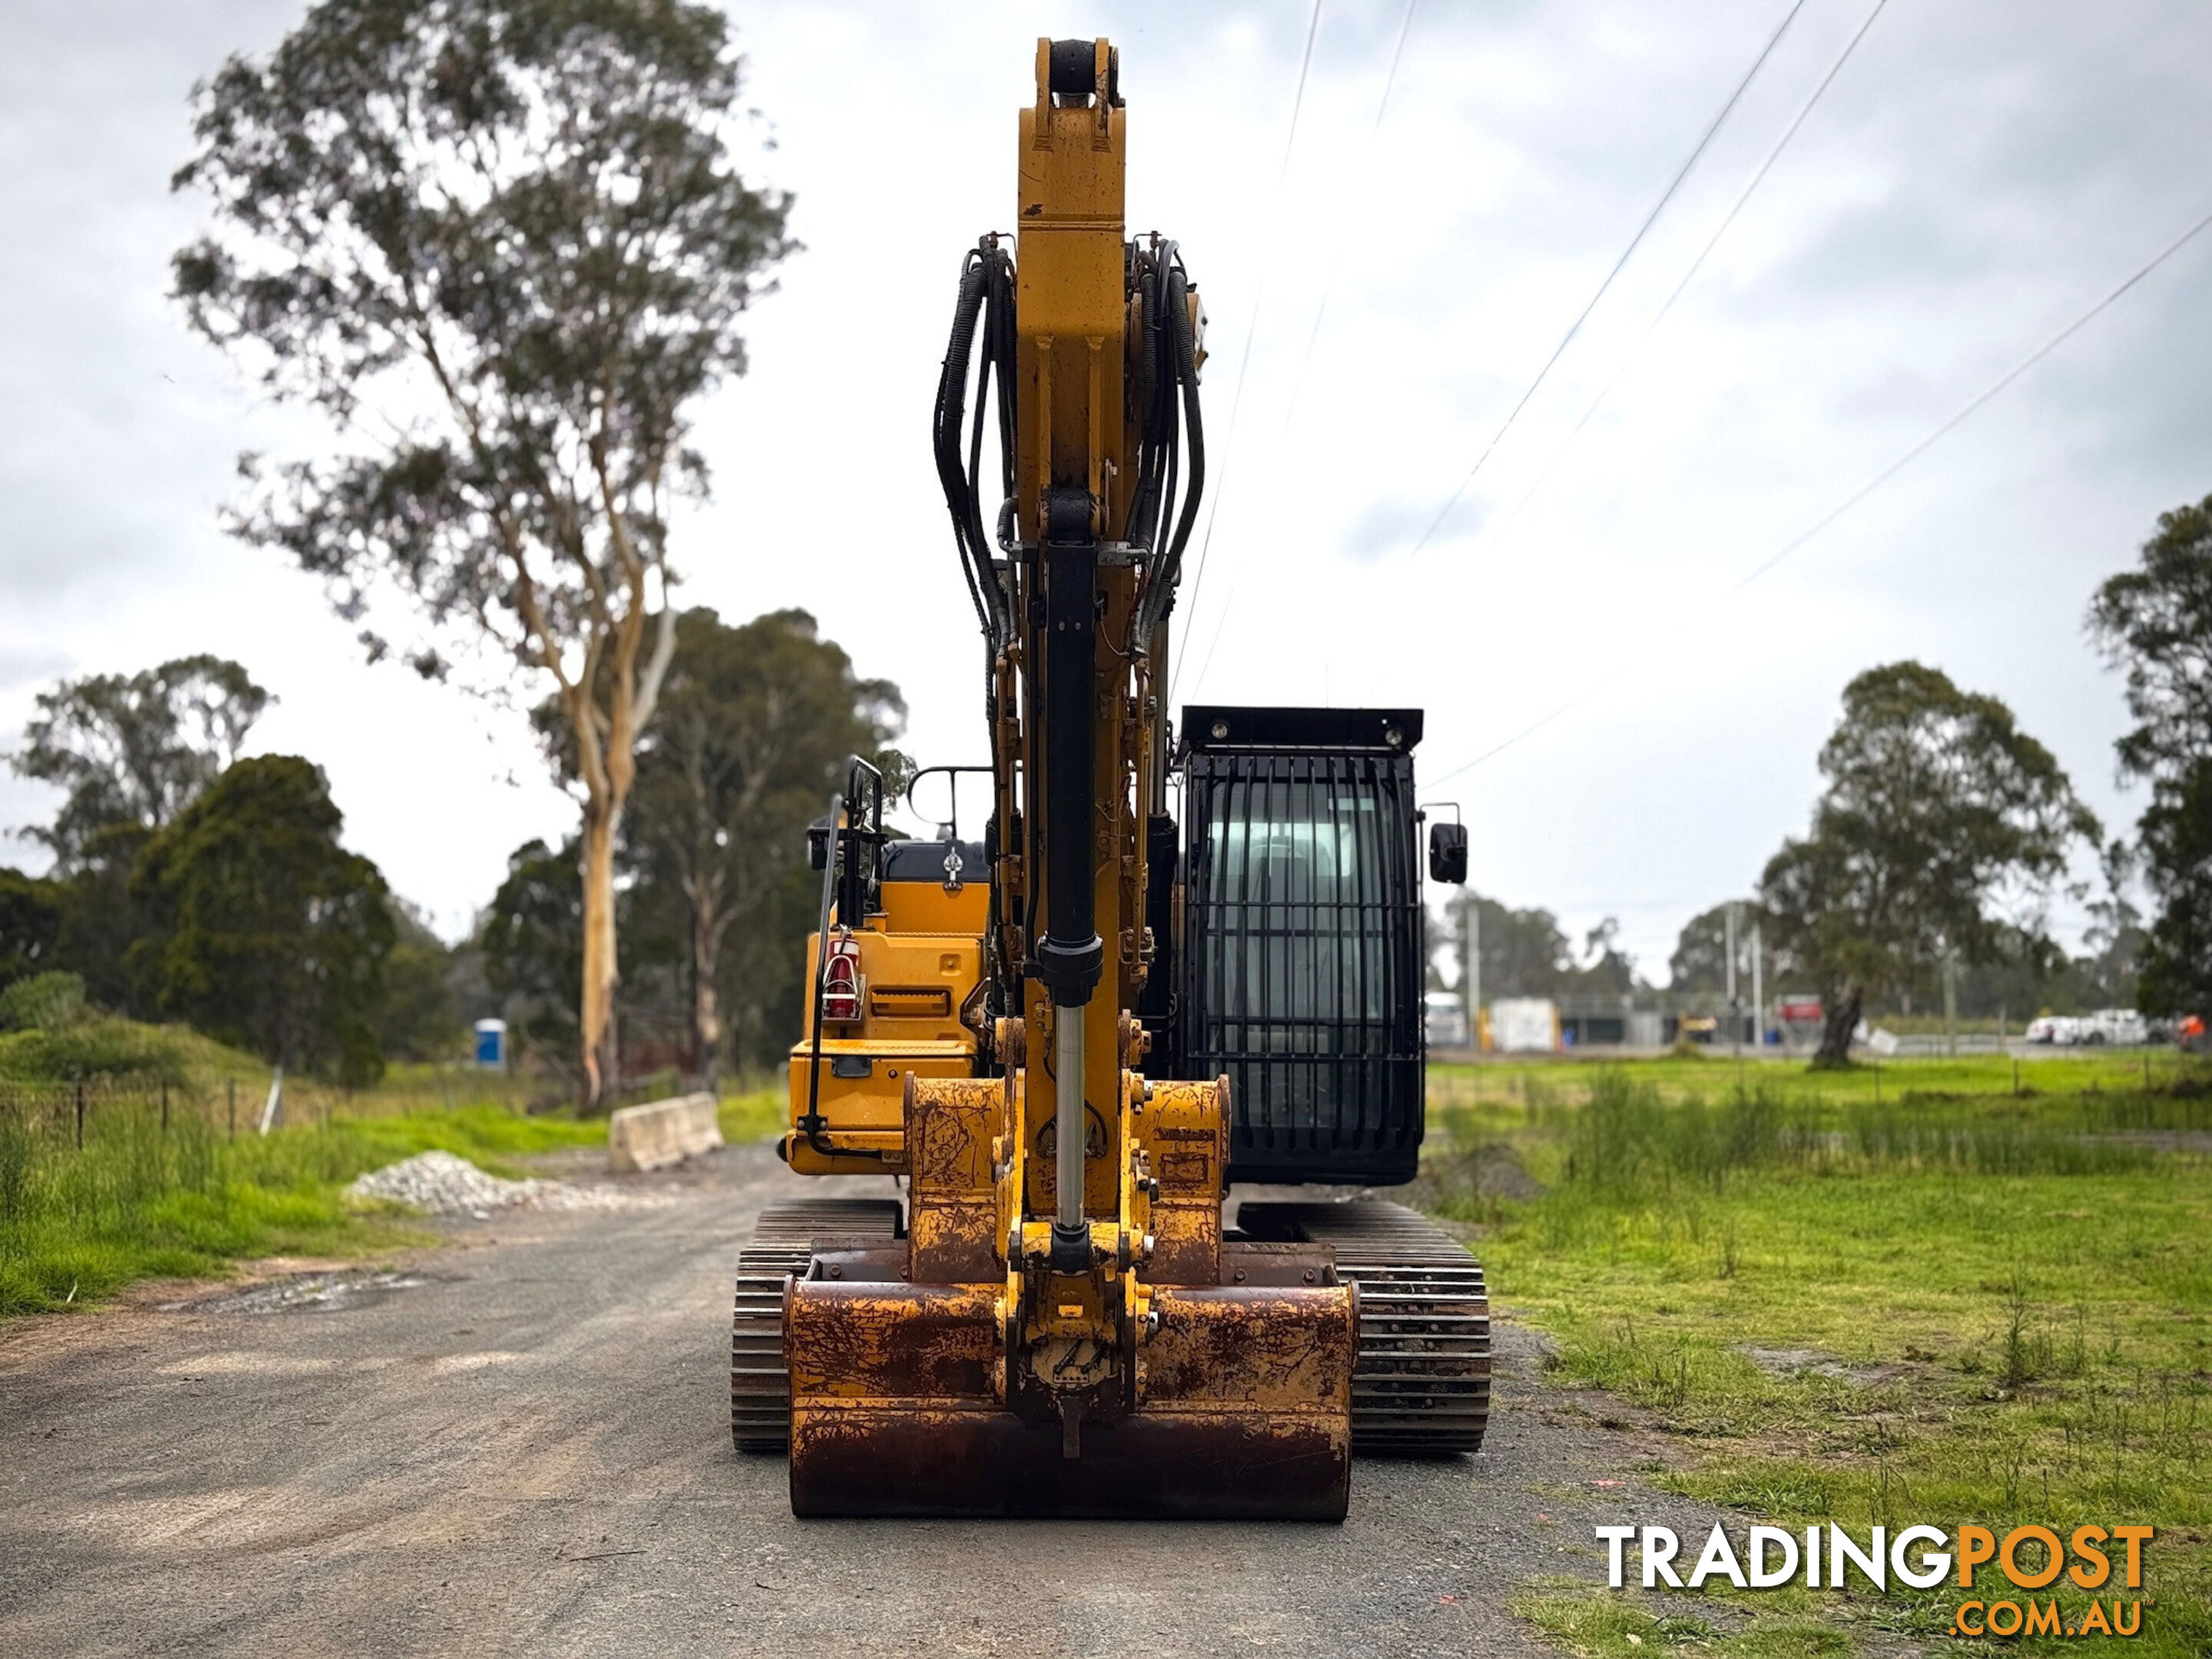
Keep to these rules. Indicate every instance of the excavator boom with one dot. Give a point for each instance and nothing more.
(1058, 1319)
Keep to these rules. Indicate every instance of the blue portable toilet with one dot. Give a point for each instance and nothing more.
(491, 1044)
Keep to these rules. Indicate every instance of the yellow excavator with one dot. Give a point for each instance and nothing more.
(1068, 1040)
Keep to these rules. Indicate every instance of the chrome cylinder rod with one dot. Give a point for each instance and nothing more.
(1067, 1103)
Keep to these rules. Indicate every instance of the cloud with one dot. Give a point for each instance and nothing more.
(1971, 181)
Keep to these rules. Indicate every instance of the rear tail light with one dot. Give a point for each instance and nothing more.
(840, 981)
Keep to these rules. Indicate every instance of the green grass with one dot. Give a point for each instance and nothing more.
(1714, 1072)
(1605, 1624)
(138, 1202)
(2005, 1301)
(753, 1111)
(146, 1198)
(123, 1051)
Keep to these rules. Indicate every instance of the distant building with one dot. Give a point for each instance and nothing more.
(1643, 1020)
(1522, 1025)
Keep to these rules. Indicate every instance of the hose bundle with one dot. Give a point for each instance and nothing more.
(1166, 363)
(986, 301)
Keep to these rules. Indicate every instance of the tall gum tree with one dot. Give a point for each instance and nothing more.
(134, 750)
(500, 247)
(754, 729)
(2155, 622)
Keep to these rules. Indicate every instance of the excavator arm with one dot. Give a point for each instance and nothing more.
(1065, 1329)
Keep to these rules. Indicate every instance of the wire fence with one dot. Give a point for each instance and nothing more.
(72, 1112)
(71, 1116)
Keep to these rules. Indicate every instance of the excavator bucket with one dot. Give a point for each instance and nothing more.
(1245, 1411)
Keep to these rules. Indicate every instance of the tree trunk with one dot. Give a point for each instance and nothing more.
(596, 1021)
(1836, 1035)
(706, 1001)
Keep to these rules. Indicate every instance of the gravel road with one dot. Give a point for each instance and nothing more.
(518, 1443)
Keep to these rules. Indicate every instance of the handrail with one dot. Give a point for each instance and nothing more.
(840, 842)
(811, 1125)
(954, 772)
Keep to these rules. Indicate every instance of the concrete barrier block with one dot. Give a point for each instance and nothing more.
(663, 1132)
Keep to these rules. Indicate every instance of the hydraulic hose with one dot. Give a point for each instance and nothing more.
(1167, 568)
(811, 1125)
(951, 388)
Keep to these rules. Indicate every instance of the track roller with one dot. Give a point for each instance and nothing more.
(1422, 1384)
(783, 1241)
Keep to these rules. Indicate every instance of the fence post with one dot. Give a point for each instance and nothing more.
(165, 1106)
(80, 1115)
(234, 1107)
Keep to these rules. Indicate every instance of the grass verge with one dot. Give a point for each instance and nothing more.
(753, 1111)
(1600, 1625)
(140, 1201)
(1965, 1304)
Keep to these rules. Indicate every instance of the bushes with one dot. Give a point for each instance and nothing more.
(42, 1001)
(123, 1051)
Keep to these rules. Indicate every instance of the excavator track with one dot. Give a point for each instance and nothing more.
(783, 1242)
(1421, 1386)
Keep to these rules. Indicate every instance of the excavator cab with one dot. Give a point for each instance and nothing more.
(1172, 962)
(1301, 962)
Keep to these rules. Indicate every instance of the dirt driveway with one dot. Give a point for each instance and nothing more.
(519, 1444)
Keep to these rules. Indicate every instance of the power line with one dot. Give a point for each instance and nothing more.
(1698, 264)
(1336, 261)
(1252, 329)
(1298, 381)
(1881, 477)
(1999, 384)
(1634, 242)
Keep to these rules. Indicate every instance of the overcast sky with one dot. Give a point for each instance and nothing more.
(1975, 177)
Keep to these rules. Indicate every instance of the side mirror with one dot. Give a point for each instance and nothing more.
(1448, 853)
(818, 844)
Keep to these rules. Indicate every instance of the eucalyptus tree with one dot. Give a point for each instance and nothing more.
(501, 248)
(1700, 959)
(1942, 830)
(2156, 622)
(755, 726)
(134, 750)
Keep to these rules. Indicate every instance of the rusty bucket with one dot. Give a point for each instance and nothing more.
(1239, 1408)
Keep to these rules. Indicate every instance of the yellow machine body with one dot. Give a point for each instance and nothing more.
(921, 960)
(1001, 1358)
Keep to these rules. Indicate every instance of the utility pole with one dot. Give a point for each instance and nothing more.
(1735, 1020)
(1758, 992)
(1470, 969)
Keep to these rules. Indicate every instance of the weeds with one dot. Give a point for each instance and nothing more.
(2023, 1360)
(1957, 1304)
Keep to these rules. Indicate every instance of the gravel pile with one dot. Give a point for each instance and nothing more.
(439, 1183)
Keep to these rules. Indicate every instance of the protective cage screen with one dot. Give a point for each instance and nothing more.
(1302, 960)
